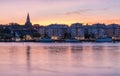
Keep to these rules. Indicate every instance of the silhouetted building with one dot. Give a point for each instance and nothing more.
(98, 30)
(113, 30)
(56, 31)
(28, 23)
(77, 31)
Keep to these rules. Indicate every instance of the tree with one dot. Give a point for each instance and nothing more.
(5, 33)
(67, 36)
(35, 34)
(46, 35)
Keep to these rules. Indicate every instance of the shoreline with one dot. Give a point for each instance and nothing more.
(59, 41)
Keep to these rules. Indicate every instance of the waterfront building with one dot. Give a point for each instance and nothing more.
(88, 34)
(40, 29)
(98, 30)
(56, 31)
(113, 30)
(77, 31)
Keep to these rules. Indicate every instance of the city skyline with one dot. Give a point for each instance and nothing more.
(45, 12)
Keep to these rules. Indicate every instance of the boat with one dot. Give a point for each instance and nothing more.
(72, 40)
(46, 40)
(104, 39)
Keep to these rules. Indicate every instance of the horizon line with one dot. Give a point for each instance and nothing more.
(60, 23)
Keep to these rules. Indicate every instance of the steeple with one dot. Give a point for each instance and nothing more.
(28, 18)
(28, 23)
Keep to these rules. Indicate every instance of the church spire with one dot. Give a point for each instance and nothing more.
(28, 18)
(28, 23)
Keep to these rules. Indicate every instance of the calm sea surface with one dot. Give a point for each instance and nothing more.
(59, 59)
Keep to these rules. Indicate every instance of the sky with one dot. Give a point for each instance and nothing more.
(46, 12)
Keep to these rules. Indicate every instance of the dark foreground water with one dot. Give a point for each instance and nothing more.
(59, 59)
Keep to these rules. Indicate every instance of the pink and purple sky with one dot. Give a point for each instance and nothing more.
(45, 12)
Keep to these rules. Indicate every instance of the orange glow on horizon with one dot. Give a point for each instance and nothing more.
(65, 20)
(45, 23)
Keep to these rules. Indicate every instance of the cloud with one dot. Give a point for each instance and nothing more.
(80, 11)
(83, 11)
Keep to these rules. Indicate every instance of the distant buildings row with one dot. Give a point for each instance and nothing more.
(80, 31)
(77, 31)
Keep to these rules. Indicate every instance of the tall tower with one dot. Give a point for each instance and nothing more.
(28, 23)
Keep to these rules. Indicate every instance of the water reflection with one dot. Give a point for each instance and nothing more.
(28, 48)
(76, 48)
(71, 60)
(56, 49)
(98, 48)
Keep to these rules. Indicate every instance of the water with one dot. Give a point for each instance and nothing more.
(59, 59)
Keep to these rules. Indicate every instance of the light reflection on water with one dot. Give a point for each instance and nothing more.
(59, 59)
